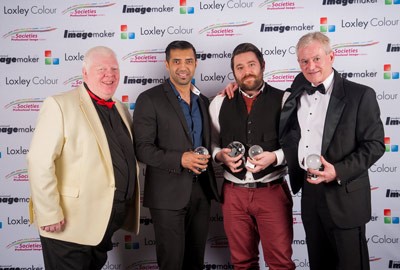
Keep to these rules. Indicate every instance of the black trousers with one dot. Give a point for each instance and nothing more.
(181, 235)
(62, 255)
(330, 247)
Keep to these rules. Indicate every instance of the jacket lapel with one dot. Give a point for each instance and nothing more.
(94, 121)
(334, 112)
(169, 92)
(205, 121)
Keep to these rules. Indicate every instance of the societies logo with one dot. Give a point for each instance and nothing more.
(87, 10)
(20, 175)
(25, 105)
(279, 5)
(352, 48)
(30, 244)
(28, 34)
(224, 29)
(145, 56)
(281, 75)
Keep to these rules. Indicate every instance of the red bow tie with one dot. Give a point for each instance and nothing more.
(100, 101)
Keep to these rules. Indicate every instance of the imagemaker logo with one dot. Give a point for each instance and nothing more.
(125, 34)
(325, 27)
(49, 60)
(389, 74)
(184, 9)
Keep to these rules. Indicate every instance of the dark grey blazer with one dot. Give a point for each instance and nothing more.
(161, 136)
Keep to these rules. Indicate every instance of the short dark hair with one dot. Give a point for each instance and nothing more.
(178, 45)
(248, 47)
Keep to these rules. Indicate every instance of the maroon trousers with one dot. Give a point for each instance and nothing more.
(254, 214)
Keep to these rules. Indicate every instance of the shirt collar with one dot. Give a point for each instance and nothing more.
(193, 90)
(328, 83)
(255, 95)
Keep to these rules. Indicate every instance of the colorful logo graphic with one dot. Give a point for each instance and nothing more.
(125, 101)
(218, 242)
(388, 218)
(325, 27)
(392, 2)
(388, 73)
(28, 34)
(125, 34)
(49, 60)
(184, 9)
(86, 10)
(390, 147)
(1, 225)
(129, 244)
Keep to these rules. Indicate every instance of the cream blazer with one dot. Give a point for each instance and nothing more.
(70, 170)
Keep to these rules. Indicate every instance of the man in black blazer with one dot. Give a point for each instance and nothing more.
(340, 122)
(171, 120)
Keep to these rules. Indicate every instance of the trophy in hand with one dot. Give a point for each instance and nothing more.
(237, 148)
(253, 151)
(201, 150)
(313, 161)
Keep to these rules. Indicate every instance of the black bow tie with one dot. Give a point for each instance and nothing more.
(311, 89)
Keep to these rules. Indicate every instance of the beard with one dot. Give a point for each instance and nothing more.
(251, 85)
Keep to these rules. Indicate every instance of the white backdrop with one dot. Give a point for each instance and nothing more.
(42, 47)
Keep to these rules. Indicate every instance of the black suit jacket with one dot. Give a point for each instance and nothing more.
(161, 137)
(353, 140)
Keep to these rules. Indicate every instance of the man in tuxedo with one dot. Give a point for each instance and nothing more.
(340, 121)
(82, 169)
(171, 120)
(257, 204)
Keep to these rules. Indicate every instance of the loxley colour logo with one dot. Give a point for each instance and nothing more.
(125, 101)
(388, 218)
(390, 147)
(325, 27)
(86, 10)
(392, 2)
(125, 34)
(129, 244)
(49, 60)
(184, 9)
(28, 34)
(389, 74)
(1, 225)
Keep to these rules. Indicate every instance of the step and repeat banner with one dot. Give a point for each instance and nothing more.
(42, 47)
